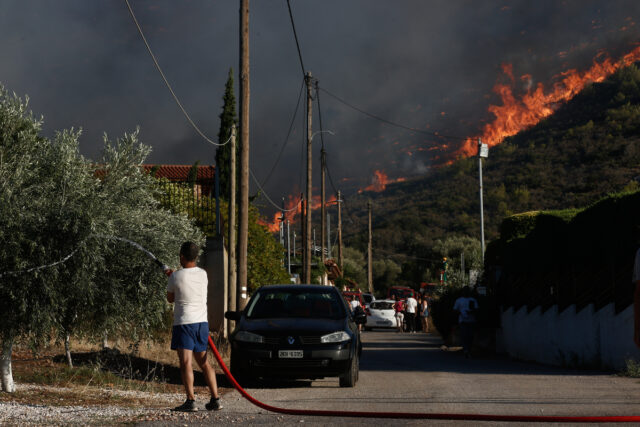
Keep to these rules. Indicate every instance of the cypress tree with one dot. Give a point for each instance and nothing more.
(223, 154)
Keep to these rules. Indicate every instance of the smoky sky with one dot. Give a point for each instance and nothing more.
(425, 64)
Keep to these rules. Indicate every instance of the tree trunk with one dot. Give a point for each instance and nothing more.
(105, 342)
(67, 350)
(5, 365)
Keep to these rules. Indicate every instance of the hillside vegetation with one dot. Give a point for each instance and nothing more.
(588, 148)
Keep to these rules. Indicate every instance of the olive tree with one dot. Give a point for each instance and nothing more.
(68, 264)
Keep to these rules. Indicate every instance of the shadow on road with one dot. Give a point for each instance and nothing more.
(404, 352)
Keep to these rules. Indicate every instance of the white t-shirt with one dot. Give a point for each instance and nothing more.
(636, 268)
(354, 304)
(466, 314)
(189, 286)
(412, 304)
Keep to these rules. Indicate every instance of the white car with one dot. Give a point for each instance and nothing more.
(381, 315)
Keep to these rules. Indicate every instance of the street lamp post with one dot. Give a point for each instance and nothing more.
(483, 152)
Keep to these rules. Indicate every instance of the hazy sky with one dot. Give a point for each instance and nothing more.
(426, 64)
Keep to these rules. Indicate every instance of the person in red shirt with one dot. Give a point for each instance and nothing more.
(398, 306)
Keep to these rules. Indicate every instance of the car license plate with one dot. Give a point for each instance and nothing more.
(290, 354)
(383, 322)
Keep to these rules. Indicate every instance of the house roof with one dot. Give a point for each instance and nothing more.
(181, 172)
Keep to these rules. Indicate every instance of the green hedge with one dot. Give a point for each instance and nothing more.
(575, 256)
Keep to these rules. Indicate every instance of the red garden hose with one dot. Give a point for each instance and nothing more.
(416, 415)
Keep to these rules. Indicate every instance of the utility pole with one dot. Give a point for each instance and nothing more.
(307, 261)
(288, 250)
(369, 254)
(232, 227)
(483, 152)
(314, 242)
(339, 232)
(323, 201)
(328, 235)
(243, 223)
(303, 238)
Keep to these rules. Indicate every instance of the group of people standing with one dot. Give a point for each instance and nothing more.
(412, 314)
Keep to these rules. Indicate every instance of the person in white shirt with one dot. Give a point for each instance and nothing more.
(466, 306)
(187, 289)
(411, 307)
(355, 303)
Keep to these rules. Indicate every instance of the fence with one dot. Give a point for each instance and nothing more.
(197, 200)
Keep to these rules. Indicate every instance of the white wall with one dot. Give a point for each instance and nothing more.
(588, 338)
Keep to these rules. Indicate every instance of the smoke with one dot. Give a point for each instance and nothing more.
(84, 65)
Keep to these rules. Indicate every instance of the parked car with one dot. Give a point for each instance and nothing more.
(296, 331)
(381, 315)
(367, 298)
(400, 292)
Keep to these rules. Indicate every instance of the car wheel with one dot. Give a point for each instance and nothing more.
(350, 377)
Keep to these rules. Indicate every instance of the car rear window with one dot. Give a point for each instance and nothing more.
(381, 305)
(281, 303)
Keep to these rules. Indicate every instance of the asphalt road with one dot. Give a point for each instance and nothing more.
(404, 373)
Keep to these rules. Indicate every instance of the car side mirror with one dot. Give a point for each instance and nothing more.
(233, 315)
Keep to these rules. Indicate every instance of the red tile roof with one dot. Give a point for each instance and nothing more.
(181, 172)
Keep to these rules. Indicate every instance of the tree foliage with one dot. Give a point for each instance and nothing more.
(64, 268)
(223, 153)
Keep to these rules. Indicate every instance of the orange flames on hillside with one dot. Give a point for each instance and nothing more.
(380, 182)
(293, 208)
(516, 114)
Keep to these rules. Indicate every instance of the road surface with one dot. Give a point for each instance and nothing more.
(403, 372)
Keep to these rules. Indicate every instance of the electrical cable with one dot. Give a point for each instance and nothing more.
(415, 415)
(286, 140)
(166, 82)
(264, 193)
(389, 122)
(295, 35)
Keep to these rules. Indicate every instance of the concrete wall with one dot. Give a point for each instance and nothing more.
(588, 338)
(214, 261)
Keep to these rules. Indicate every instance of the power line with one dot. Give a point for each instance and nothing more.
(264, 193)
(295, 35)
(166, 82)
(286, 140)
(389, 122)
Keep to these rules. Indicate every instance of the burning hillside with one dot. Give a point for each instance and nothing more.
(518, 113)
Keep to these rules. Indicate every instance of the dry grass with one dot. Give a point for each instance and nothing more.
(96, 376)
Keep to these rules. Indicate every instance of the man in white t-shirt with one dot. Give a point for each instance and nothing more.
(411, 307)
(466, 306)
(187, 289)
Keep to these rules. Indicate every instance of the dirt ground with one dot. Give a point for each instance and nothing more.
(124, 375)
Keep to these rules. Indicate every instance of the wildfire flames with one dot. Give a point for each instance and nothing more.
(516, 114)
(513, 115)
(293, 207)
(380, 182)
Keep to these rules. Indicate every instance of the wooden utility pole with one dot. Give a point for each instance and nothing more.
(303, 237)
(323, 241)
(340, 232)
(243, 223)
(232, 228)
(307, 244)
(369, 254)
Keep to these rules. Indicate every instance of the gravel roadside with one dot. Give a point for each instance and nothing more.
(26, 414)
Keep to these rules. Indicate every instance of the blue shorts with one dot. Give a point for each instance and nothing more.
(192, 336)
